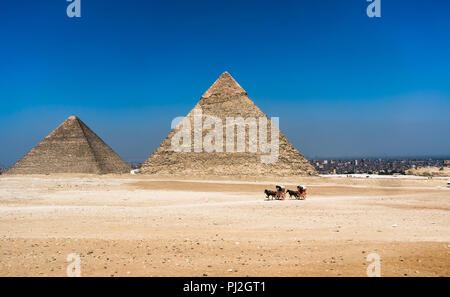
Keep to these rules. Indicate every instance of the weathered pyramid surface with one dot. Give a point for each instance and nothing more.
(226, 98)
(70, 148)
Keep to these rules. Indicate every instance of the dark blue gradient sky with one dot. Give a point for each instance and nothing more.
(343, 85)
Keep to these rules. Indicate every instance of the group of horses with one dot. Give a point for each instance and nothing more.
(280, 193)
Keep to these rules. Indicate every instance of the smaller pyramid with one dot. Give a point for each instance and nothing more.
(70, 148)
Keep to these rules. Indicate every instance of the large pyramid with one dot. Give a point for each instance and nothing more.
(70, 148)
(226, 98)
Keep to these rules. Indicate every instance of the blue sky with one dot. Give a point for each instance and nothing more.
(343, 84)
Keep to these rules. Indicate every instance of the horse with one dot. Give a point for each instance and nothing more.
(302, 192)
(270, 193)
(291, 193)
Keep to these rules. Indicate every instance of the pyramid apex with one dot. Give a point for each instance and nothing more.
(226, 75)
(73, 117)
(225, 84)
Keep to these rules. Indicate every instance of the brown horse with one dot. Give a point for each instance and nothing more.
(291, 193)
(270, 193)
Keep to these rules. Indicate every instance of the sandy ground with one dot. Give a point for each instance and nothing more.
(142, 226)
(430, 171)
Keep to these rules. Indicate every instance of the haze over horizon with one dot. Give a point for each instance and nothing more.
(344, 85)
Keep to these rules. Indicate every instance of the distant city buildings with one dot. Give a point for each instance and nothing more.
(375, 166)
(362, 166)
(135, 165)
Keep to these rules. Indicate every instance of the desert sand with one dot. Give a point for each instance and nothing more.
(124, 225)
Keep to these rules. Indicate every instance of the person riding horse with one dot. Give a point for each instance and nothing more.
(302, 190)
(281, 192)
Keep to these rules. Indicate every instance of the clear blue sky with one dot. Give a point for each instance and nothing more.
(342, 84)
